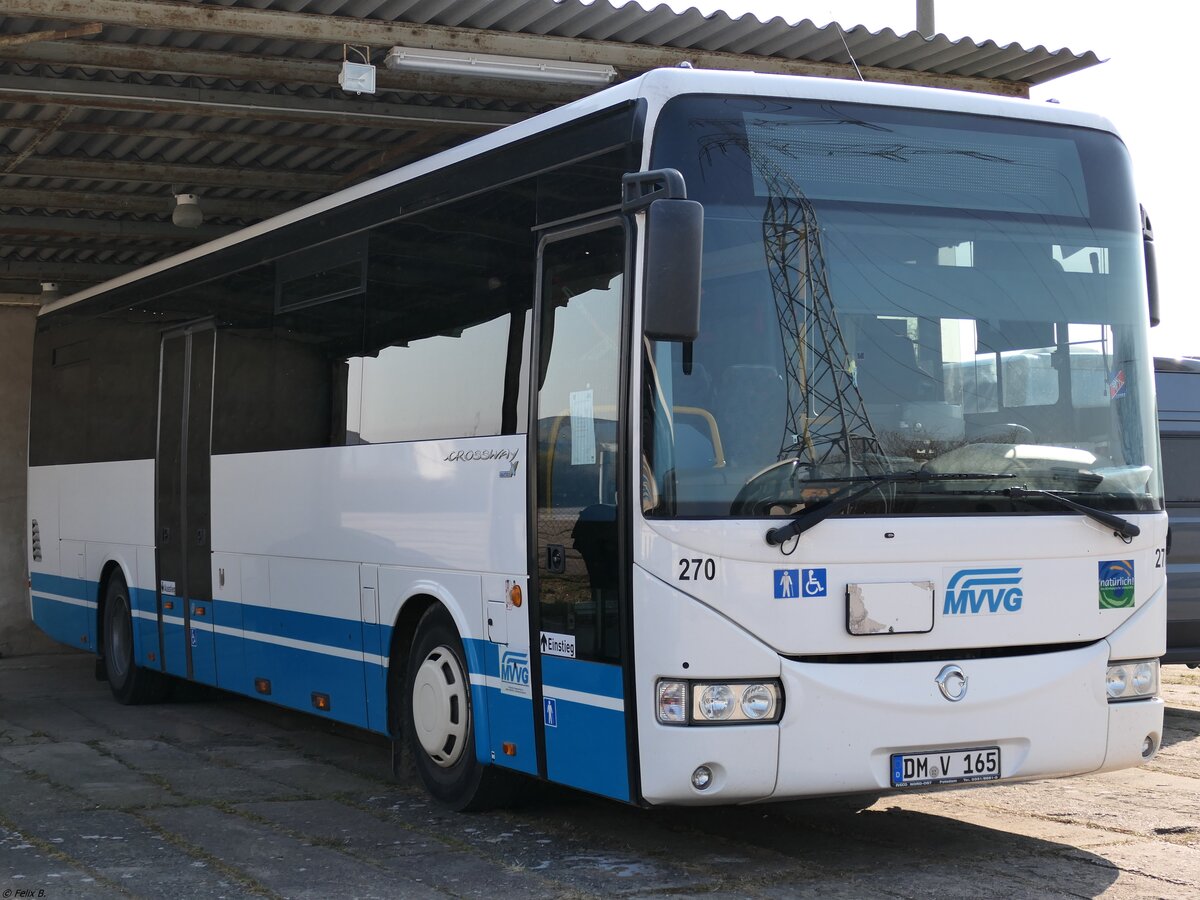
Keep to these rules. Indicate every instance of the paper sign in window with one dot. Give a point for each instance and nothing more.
(583, 429)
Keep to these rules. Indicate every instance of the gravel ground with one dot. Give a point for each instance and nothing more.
(215, 796)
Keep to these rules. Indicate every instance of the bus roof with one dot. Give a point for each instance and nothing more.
(655, 87)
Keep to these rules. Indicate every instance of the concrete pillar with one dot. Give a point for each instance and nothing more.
(18, 635)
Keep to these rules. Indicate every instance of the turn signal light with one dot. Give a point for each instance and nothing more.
(321, 702)
(514, 594)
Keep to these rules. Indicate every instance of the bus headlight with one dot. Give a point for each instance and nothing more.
(718, 702)
(1132, 680)
(758, 701)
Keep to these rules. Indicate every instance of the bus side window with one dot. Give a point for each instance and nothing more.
(449, 301)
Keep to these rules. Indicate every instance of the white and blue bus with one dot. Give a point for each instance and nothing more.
(669, 445)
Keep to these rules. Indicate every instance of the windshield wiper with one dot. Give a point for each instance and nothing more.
(1122, 528)
(843, 497)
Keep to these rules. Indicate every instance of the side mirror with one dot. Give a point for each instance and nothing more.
(671, 270)
(1151, 268)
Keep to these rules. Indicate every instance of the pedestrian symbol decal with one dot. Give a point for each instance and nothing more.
(550, 708)
(787, 583)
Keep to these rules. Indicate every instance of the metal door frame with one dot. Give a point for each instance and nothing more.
(185, 331)
(582, 226)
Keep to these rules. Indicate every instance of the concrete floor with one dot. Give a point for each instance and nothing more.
(215, 796)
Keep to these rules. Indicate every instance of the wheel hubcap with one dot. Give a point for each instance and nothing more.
(440, 707)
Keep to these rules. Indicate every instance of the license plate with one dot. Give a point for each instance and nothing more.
(945, 767)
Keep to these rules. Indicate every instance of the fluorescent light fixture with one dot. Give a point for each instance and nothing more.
(357, 77)
(484, 65)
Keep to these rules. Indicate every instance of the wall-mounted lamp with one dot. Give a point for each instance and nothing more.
(447, 62)
(357, 77)
(187, 212)
(50, 291)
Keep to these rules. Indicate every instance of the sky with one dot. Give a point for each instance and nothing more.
(1143, 88)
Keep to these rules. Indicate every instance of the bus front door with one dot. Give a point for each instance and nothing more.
(578, 613)
(182, 498)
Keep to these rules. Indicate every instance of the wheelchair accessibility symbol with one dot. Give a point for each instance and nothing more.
(790, 583)
(813, 583)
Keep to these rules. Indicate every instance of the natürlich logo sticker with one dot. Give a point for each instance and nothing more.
(1116, 584)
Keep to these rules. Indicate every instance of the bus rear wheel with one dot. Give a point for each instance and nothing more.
(440, 721)
(130, 683)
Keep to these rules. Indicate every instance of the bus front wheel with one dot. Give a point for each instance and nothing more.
(129, 682)
(440, 721)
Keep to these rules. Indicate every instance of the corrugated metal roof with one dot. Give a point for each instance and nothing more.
(120, 157)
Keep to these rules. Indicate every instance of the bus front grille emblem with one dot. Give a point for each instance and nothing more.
(952, 682)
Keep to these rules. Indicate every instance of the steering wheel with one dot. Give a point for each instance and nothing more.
(765, 489)
(1014, 433)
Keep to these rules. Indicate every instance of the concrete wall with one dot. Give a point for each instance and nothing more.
(18, 635)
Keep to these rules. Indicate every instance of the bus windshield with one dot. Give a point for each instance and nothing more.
(893, 290)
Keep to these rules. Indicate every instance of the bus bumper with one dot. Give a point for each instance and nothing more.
(1047, 713)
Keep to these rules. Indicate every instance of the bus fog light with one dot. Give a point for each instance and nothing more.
(716, 702)
(702, 778)
(1149, 745)
(672, 702)
(758, 701)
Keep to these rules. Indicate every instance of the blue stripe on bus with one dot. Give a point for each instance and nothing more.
(344, 634)
(509, 717)
(585, 748)
(145, 630)
(377, 698)
(174, 656)
(581, 675)
(230, 654)
(64, 622)
(78, 588)
(145, 634)
(358, 692)
(342, 680)
(143, 599)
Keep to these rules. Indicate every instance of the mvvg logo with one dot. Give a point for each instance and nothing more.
(970, 592)
(514, 671)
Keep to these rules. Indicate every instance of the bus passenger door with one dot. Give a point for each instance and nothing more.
(182, 500)
(579, 610)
